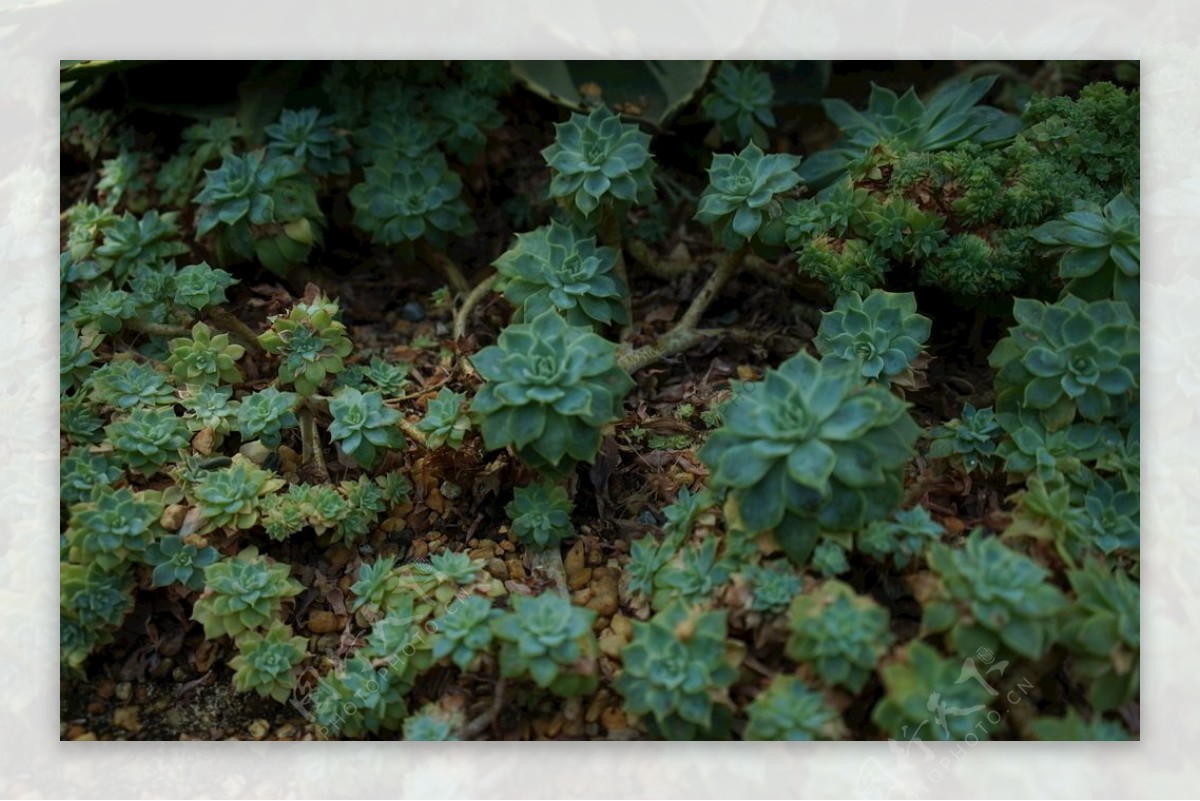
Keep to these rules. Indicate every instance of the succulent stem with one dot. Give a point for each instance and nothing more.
(473, 298)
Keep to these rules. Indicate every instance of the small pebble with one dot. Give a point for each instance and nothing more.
(413, 311)
(259, 728)
(124, 691)
(127, 718)
(579, 579)
(498, 569)
(322, 622)
(172, 517)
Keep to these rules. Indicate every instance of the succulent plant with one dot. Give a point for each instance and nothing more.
(376, 583)
(78, 421)
(881, 335)
(1053, 457)
(842, 635)
(550, 389)
(1101, 629)
(103, 308)
(646, 558)
(266, 663)
(739, 102)
(310, 342)
(465, 117)
(132, 242)
(687, 506)
(205, 358)
(541, 515)
(230, 496)
(87, 223)
(1113, 517)
(676, 671)
(951, 116)
(829, 559)
(901, 540)
(260, 206)
(465, 631)
(1075, 728)
(923, 687)
(968, 441)
(125, 384)
(789, 710)
(178, 562)
(1101, 249)
(94, 599)
(211, 407)
(691, 576)
(362, 426)
(596, 160)
(312, 139)
(432, 724)
(364, 500)
(243, 593)
(773, 585)
(809, 449)
(445, 421)
(358, 698)
(403, 200)
(405, 137)
(148, 438)
(394, 486)
(123, 178)
(198, 286)
(285, 513)
(1067, 358)
(741, 192)
(550, 640)
(81, 471)
(388, 378)
(992, 595)
(553, 267)
(112, 527)
(324, 507)
(264, 415)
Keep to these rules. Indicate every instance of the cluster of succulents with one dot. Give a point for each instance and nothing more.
(312, 138)
(405, 200)
(789, 710)
(969, 440)
(266, 663)
(311, 344)
(841, 634)
(901, 540)
(550, 388)
(243, 593)
(1101, 249)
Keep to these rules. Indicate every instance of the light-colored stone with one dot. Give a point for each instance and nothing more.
(127, 718)
(259, 728)
(322, 622)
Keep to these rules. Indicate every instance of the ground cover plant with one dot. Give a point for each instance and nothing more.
(688, 400)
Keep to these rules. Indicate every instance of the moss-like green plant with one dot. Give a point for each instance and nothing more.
(599, 161)
(676, 671)
(132, 242)
(992, 595)
(362, 426)
(950, 116)
(788, 710)
(1102, 631)
(1068, 358)
(882, 335)
(177, 562)
(148, 438)
(285, 513)
(739, 102)
(968, 441)
(243, 593)
(901, 540)
(260, 206)
(550, 640)
(310, 342)
(842, 635)
(553, 267)
(445, 421)
(113, 527)
(920, 679)
(541, 515)
(810, 449)
(357, 699)
(266, 414)
(312, 139)
(550, 389)
(230, 496)
(403, 200)
(741, 190)
(205, 358)
(266, 663)
(464, 631)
